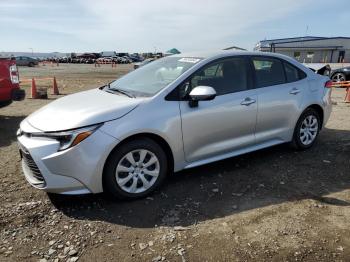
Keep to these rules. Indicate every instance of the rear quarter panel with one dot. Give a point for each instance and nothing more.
(316, 93)
(319, 95)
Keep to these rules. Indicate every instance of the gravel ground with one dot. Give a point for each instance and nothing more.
(272, 205)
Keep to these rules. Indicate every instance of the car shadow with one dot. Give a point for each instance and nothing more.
(263, 178)
(8, 129)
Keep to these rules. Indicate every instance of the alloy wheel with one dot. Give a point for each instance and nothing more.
(308, 130)
(338, 77)
(137, 171)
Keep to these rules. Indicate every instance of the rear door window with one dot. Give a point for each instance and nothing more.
(268, 71)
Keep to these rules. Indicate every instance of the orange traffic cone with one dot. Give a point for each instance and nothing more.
(33, 89)
(347, 96)
(54, 87)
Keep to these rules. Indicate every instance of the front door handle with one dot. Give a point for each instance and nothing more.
(294, 91)
(248, 101)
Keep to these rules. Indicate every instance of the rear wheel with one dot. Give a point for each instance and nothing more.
(135, 169)
(338, 77)
(306, 130)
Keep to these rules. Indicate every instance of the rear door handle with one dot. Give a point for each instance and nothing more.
(294, 91)
(248, 101)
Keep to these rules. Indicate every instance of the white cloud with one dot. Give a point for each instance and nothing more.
(142, 25)
(188, 25)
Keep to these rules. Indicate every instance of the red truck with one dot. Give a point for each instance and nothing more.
(9, 82)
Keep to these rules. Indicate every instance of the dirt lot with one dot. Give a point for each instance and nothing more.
(275, 204)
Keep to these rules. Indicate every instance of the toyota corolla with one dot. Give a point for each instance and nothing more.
(175, 113)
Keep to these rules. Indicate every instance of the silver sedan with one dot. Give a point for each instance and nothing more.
(175, 113)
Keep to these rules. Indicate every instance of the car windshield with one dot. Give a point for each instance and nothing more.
(153, 77)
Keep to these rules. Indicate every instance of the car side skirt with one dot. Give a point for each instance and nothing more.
(235, 153)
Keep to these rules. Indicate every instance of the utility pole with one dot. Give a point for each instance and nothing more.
(307, 30)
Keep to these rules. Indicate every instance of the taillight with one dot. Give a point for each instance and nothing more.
(14, 74)
(328, 84)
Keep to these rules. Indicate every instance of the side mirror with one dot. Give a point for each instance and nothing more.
(201, 93)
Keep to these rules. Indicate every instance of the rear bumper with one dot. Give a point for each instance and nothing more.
(8, 95)
(18, 94)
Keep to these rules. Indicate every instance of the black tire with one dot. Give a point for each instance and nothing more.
(31, 64)
(110, 184)
(296, 142)
(5, 103)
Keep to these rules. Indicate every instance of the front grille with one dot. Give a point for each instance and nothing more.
(28, 160)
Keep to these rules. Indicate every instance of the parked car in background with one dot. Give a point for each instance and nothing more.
(144, 62)
(125, 138)
(321, 69)
(123, 60)
(341, 74)
(136, 58)
(107, 60)
(9, 82)
(128, 60)
(64, 59)
(26, 61)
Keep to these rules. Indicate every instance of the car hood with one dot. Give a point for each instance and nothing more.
(82, 109)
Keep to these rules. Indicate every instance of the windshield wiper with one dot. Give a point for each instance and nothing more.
(121, 91)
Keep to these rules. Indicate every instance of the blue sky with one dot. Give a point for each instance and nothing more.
(148, 25)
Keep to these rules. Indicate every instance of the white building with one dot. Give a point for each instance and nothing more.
(310, 49)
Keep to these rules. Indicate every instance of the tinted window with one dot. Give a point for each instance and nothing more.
(226, 76)
(268, 71)
(293, 73)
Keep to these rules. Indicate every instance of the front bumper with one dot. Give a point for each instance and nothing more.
(77, 170)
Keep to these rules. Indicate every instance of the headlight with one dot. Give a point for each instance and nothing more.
(69, 138)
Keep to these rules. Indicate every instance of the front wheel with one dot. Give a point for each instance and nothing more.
(306, 130)
(135, 169)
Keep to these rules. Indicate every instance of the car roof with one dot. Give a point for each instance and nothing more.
(223, 53)
(217, 54)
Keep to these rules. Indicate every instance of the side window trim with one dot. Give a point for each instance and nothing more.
(252, 73)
